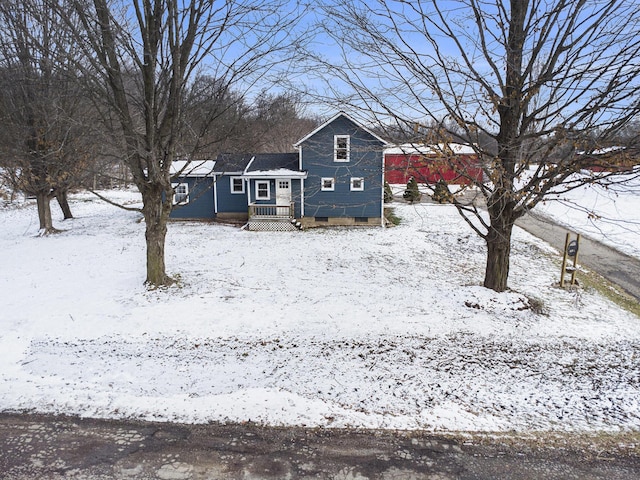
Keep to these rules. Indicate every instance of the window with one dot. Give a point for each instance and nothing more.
(262, 190)
(283, 184)
(328, 184)
(180, 193)
(237, 185)
(357, 184)
(362, 219)
(342, 148)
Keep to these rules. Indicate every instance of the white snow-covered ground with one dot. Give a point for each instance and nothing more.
(369, 327)
(609, 214)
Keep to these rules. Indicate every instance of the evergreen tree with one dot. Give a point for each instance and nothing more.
(441, 193)
(388, 194)
(412, 194)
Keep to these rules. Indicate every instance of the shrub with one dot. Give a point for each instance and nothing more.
(412, 194)
(391, 217)
(388, 194)
(441, 193)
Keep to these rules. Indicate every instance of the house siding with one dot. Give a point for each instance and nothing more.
(366, 161)
(230, 203)
(200, 204)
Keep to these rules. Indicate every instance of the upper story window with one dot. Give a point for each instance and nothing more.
(237, 185)
(341, 148)
(180, 193)
(263, 191)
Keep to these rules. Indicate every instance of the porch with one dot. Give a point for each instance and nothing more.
(272, 218)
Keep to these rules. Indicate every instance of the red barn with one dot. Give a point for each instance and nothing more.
(453, 162)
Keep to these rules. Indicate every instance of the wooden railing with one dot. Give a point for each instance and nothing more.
(271, 211)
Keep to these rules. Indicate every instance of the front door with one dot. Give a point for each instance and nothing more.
(283, 196)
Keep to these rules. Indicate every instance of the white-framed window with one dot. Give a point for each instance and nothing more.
(357, 184)
(263, 192)
(341, 148)
(237, 185)
(180, 193)
(327, 184)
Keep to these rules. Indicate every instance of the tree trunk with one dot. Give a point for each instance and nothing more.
(63, 201)
(44, 213)
(498, 254)
(156, 214)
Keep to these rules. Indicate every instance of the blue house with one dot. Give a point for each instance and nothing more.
(335, 178)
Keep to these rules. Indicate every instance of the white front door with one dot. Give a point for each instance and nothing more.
(283, 196)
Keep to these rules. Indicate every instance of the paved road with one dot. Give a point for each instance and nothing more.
(615, 266)
(39, 447)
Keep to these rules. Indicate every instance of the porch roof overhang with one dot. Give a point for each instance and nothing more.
(278, 173)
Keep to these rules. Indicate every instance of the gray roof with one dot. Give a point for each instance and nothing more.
(262, 162)
(232, 162)
(274, 161)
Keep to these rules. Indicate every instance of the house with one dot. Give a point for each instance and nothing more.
(334, 178)
(454, 163)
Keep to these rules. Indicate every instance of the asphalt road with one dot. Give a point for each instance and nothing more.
(615, 266)
(40, 447)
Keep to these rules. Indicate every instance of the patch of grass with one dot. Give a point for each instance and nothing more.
(391, 217)
(602, 445)
(609, 290)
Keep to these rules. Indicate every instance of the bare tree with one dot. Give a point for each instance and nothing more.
(533, 76)
(161, 45)
(44, 140)
(278, 121)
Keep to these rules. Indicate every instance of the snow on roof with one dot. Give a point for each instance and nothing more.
(193, 168)
(426, 149)
(277, 173)
(601, 151)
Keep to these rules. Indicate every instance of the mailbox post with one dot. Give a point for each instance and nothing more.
(571, 248)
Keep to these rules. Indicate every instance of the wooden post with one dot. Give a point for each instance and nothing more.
(564, 261)
(575, 262)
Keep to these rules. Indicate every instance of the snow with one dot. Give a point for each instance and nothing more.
(279, 172)
(195, 168)
(426, 149)
(344, 327)
(609, 214)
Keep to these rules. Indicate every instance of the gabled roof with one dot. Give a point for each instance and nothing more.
(273, 161)
(232, 162)
(259, 165)
(331, 120)
(274, 165)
